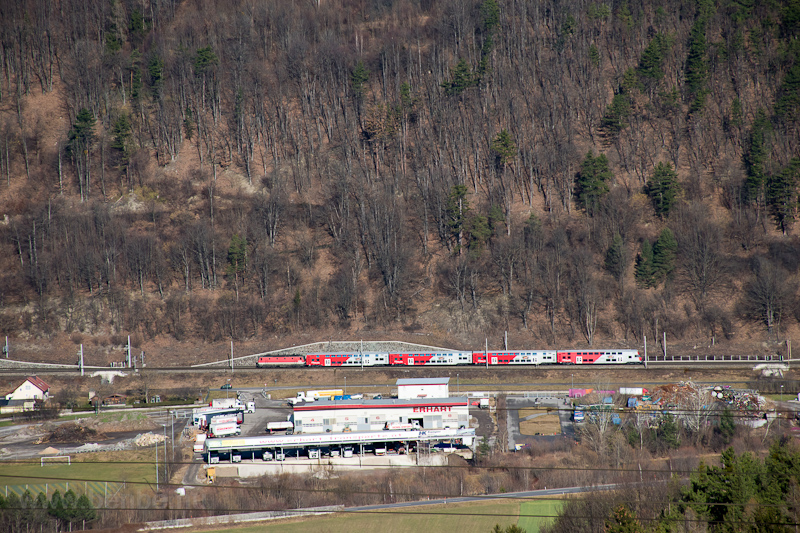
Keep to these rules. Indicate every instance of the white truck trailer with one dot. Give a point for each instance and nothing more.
(199, 442)
(222, 403)
(313, 395)
(224, 430)
(275, 427)
(223, 419)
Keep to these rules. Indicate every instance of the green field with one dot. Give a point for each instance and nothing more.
(100, 468)
(532, 514)
(478, 517)
(464, 518)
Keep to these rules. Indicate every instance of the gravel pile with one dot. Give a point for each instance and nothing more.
(147, 439)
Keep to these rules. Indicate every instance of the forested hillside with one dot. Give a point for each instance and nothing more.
(573, 172)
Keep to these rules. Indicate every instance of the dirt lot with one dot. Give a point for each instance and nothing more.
(538, 422)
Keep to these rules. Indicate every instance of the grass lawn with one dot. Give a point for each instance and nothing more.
(117, 416)
(533, 514)
(95, 466)
(478, 517)
(785, 397)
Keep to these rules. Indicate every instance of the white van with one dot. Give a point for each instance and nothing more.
(347, 451)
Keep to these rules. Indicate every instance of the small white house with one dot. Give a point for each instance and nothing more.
(32, 388)
(409, 389)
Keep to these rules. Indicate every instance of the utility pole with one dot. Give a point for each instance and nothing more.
(231, 357)
(166, 469)
(172, 420)
(5, 348)
(129, 351)
(81, 361)
(645, 351)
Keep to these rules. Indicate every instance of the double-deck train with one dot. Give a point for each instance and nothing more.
(616, 356)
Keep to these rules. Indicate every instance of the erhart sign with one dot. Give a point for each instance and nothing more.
(443, 409)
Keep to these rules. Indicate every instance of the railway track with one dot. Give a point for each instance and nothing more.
(671, 362)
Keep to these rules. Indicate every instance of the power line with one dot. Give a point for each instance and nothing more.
(337, 490)
(432, 467)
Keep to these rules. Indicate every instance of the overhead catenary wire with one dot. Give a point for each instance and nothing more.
(394, 494)
(515, 496)
(717, 473)
(432, 467)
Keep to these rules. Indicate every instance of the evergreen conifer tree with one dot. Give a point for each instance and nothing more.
(461, 78)
(643, 271)
(592, 182)
(755, 159)
(782, 195)
(664, 252)
(663, 188)
(615, 258)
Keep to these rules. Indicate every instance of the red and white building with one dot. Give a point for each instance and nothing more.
(32, 388)
(421, 404)
(332, 416)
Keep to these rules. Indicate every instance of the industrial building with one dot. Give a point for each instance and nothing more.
(408, 389)
(344, 444)
(332, 416)
(423, 414)
(421, 403)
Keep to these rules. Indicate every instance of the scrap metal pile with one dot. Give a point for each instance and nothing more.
(687, 397)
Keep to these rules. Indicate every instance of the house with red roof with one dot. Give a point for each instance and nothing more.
(32, 388)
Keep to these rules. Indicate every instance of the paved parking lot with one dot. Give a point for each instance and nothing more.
(255, 424)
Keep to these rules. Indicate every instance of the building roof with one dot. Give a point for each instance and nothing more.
(422, 381)
(326, 404)
(13, 403)
(38, 383)
(35, 381)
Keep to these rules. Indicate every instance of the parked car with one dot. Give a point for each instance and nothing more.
(226, 386)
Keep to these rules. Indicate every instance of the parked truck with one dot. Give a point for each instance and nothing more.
(199, 440)
(275, 427)
(313, 395)
(223, 419)
(202, 419)
(224, 430)
(222, 403)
